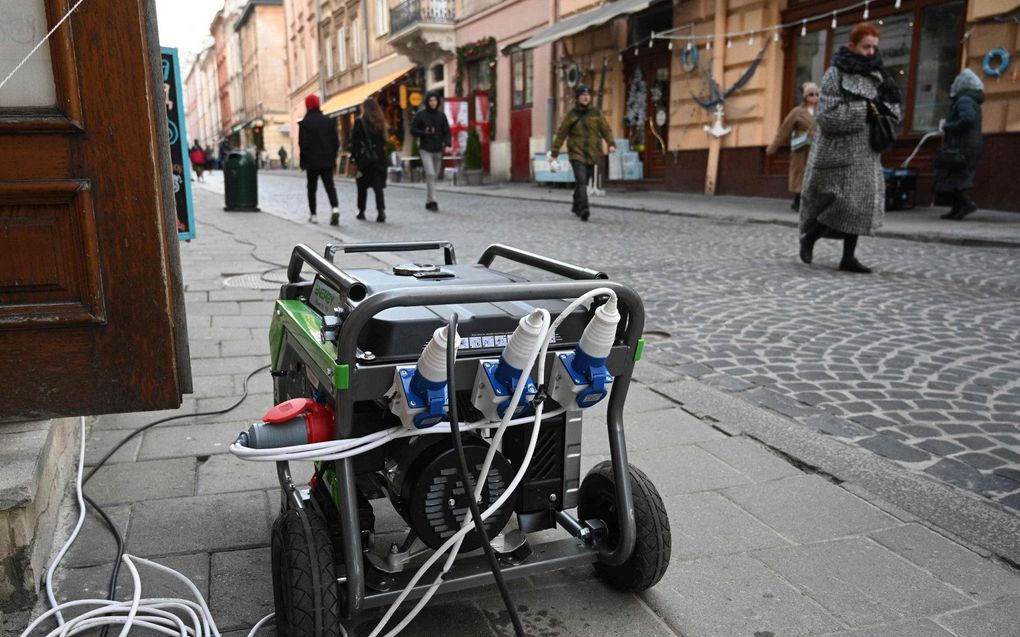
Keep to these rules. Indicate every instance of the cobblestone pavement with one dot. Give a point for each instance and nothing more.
(917, 362)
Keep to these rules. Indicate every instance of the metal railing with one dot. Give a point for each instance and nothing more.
(412, 12)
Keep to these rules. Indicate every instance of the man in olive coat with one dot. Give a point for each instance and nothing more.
(583, 128)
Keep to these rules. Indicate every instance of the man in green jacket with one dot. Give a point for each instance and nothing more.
(583, 128)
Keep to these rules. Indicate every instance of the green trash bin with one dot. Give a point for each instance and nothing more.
(240, 182)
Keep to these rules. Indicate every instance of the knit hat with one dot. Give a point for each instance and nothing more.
(312, 102)
(966, 81)
(808, 87)
(581, 90)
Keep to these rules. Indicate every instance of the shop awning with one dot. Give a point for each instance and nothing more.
(586, 20)
(353, 97)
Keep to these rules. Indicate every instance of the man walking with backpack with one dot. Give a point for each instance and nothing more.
(432, 129)
(583, 128)
(319, 144)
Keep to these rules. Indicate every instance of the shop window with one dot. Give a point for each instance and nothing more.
(522, 64)
(936, 66)
(356, 40)
(920, 47)
(341, 46)
(382, 17)
(438, 73)
(478, 75)
(329, 56)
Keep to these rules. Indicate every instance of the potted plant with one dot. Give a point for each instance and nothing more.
(473, 158)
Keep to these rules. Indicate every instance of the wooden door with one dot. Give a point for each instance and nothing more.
(91, 302)
(520, 144)
(653, 138)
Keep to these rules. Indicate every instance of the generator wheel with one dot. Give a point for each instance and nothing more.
(305, 589)
(597, 499)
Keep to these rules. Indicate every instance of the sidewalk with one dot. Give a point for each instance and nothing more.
(764, 543)
(983, 228)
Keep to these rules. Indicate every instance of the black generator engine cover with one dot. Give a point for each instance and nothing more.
(425, 479)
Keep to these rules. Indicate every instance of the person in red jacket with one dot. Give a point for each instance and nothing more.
(197, 156)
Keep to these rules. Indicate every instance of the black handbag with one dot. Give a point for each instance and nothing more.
(881, 127)
(950, 159)
(366, 154)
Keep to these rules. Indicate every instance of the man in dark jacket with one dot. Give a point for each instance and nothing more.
(583, 128)
(433, 132)
(962, 129)
(319, 144)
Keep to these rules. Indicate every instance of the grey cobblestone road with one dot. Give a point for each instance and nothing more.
(917, 362)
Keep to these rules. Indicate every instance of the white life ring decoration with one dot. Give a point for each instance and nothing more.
(996, 62)
(572, 74)
(689, 58)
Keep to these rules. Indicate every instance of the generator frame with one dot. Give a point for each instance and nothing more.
(353, 378)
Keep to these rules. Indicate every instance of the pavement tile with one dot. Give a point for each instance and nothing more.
(650, 430)
(204, 439)
(701, 470)
(95, 544)
(241, 587)
(137, 419)
(919, 628)
(980, 578)
(450, 615)
(224, 473)
(639, 399)
(861, 582)
(750, 458)
(808, 509)
(214, 522)
(999, 618)
(734, 595)
(99, 442)
(134, 481)
(709, 525)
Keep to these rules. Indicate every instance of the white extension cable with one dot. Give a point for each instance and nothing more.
(150, 613)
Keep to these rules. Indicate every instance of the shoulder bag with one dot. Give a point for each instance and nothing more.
(881, 127)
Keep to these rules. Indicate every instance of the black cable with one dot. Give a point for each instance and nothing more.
(476, 514)
(109, 523)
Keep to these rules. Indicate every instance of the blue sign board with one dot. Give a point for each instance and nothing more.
(178, 134)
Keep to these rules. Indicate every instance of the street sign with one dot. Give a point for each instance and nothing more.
(179, 159)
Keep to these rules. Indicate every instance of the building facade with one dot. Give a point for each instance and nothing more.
(304, 72)
(263, 119)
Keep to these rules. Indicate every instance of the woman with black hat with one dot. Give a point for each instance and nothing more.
(583, 128)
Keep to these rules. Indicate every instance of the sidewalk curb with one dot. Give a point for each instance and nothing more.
(977, 523)
(921, 237)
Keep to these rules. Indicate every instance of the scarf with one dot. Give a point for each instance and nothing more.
(849, 62)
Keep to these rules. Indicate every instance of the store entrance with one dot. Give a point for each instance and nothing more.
(647, 107)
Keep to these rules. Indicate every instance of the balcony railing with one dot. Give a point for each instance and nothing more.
(412, 12)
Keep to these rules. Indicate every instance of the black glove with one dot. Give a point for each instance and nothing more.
(889, 91)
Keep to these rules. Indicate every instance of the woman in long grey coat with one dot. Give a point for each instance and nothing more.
(963, 134)
(844, 189)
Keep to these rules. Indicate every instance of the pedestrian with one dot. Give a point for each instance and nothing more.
(319, 143)
(224, 151)
(798, 130)
(583, 128)
(957, 162)
(210, 158)
(197, 156)
(368, 151)
(844, 188)
(432, 129)
(283, 156)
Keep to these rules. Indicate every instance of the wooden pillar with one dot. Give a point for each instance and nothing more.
(718, 70)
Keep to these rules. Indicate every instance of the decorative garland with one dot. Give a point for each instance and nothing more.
(484, 48)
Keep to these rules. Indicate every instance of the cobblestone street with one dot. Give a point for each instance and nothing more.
(916, 362)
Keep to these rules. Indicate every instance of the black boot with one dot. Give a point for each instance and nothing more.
(796, 202)
(967, 205)
(380, 217)
(812, 232)
(361, 215)
(849, 262)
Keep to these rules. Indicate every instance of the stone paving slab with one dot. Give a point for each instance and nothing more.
(185, 441)
(99, 442)
(208, 523)
(735, 595)
(240, 592)
(649, 430)
(862, 583)
(95, 544)
(223, 473)
(707, 524)
(685, 470)
(143, 480)
(808, 509)
(997, 618)
(969, 572)
(750, 458)
(921, 628)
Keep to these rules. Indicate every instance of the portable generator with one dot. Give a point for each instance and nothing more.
(395, 382)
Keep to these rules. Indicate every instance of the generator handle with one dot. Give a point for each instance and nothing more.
(401, 246)
(302, 254)
(554, 266)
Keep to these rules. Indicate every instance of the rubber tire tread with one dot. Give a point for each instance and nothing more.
(653, 542)
(292, 560)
